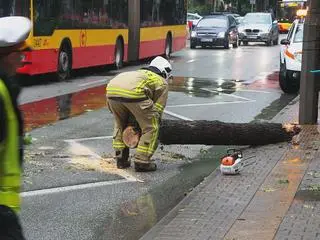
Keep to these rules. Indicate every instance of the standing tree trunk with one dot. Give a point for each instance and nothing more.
(309, 85)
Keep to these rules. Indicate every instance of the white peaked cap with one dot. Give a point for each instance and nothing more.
(14, 30)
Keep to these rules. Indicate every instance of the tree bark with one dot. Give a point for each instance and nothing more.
(309, 84)
(219, 133)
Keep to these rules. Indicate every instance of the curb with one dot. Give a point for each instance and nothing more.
(156, 229)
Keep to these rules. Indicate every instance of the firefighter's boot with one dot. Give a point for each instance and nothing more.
(122, 157)
(144, 166)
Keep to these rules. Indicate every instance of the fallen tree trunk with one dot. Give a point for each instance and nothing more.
(217, 133)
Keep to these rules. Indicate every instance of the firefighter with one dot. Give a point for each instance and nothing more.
(13, 33)
(142, 94)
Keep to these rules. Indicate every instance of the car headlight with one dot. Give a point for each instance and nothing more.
(221, 34)
(193, 34)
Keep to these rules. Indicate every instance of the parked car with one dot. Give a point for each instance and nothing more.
(193, 19)
(215, 30)
(290, 58)
(259, 27)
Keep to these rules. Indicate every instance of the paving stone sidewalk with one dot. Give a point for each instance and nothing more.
(276, 197)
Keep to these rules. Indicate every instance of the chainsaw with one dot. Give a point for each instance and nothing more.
(232, 164)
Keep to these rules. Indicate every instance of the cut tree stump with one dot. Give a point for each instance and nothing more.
(217, 133)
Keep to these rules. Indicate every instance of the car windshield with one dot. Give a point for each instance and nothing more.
(257, 19)
(299, 34)
(213, 22)
(14, 8)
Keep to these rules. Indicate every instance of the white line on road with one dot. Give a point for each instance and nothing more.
(92, 83)
(190, 61)
(177, 115)
(225, 94)
(72, 188)
(87, 139)
(254, 91)
(209, 104)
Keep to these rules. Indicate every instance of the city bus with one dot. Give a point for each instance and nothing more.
(288, 11)
(74, 34)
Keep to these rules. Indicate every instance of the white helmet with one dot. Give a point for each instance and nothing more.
(163, 66)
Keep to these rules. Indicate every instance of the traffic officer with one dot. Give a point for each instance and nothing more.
(13, 34)
(142, 94)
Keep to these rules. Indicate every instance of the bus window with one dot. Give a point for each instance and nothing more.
(46, 13)
(74, 14)
(162, 12)
(287, 10)
(14, 8)
(109, 14)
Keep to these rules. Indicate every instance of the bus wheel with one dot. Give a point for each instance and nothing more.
(64, 63)
(168, 48)
(118, 54)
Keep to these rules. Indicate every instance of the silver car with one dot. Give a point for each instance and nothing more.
(259, 27)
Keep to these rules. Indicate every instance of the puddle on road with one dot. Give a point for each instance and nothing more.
(194, 86)
(269, 112)
(47, 111)
(51, 110)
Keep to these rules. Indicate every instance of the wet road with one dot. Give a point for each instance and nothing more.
(72, 189)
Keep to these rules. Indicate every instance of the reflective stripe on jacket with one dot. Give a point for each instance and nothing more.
(140, 84)
(10, 169)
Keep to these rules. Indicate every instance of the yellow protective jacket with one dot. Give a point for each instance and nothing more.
(140, 85)
(10, 162)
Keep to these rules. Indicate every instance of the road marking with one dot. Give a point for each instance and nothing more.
(190, 61)
(209, 104)
(254, 91)
(92, 83)
(72, 188)
(89, 138)
(177, 115)
(225, 94)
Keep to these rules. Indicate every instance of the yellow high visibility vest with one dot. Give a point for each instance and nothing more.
(10, 169)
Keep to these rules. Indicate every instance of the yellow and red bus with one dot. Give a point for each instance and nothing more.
(288, 11)
(74, 34)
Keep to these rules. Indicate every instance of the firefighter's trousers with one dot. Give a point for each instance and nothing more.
(148, 119)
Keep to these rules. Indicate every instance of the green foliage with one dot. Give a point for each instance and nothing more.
(204, 7)
(27, 140)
